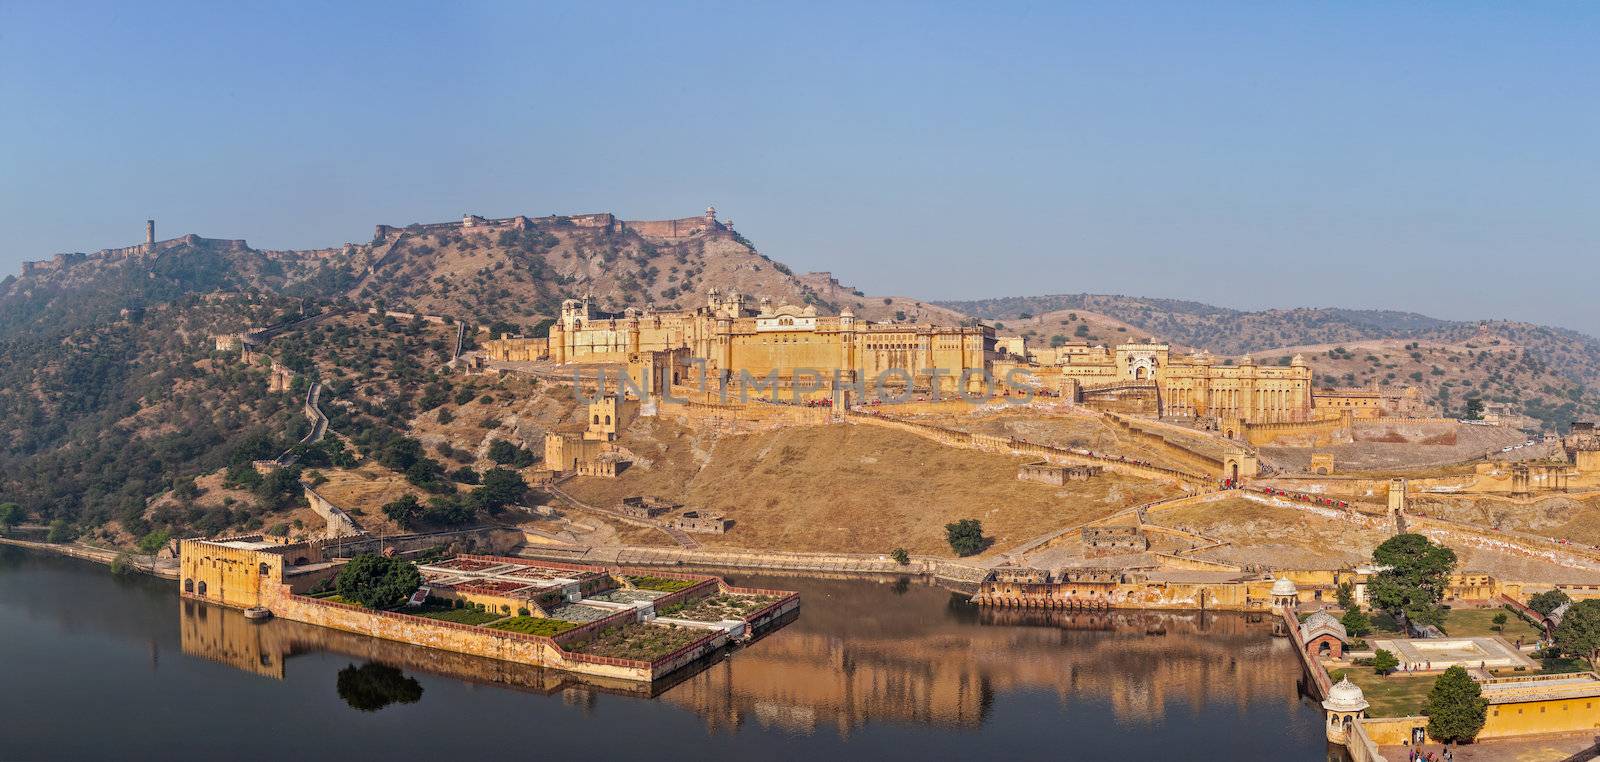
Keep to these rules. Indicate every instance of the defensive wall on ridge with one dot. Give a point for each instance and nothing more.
(1014, 446)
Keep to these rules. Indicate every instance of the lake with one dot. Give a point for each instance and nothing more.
(97, 665)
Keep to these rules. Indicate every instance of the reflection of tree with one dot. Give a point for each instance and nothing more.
(374, 686)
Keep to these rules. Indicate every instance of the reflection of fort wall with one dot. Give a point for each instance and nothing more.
(916, 656)
(947, 675)
(223, 635)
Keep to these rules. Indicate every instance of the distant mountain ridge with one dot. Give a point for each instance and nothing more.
(1231, 331)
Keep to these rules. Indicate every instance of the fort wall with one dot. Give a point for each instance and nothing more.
(339, 523)
(1012, 446)
(1318, 433)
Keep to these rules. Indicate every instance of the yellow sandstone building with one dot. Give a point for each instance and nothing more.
(730, 338)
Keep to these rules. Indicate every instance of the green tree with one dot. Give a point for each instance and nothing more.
(1456, 707)
(1384, 661)
(900, 556)
(1548, 601)
(154, 541)
(1474, 409)
(503, 452)
(61, 531)
(965, 536)
(1356, 623)
(448, 510)
(1415, 572)
(1579, 631)
(377, 582)
(1346, 595)
(10, 515)
(501, 487)
(406, 510)
(1500, 621)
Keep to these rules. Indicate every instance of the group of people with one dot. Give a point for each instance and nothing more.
(1417, 755)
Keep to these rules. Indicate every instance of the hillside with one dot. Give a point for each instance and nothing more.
(114, 398)
(1549, 374)
(75, 290)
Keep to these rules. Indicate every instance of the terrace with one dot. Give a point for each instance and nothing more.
(578, 612)
(721, 607)
(1439, 654)
(639, 641)
(625, 596)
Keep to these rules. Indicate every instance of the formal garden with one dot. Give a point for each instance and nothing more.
(719, 607)
(635, 640)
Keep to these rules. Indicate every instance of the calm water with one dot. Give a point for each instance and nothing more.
(99, 666)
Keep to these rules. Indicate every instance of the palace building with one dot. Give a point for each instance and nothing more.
(731, 338)
(727, 338)
(1148, 378)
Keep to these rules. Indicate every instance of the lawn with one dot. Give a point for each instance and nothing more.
(661, 584)
(1476, 622)
(534, 625)
(459, 616)
(645, 642)
(719, 607)
(1394, 695)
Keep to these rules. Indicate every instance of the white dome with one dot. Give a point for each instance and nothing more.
(1345, 696)
(1284, 586)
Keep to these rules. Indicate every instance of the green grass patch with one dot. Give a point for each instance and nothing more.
(459, 616)
(719, 607)
(1392, 695)
(662, 584)
(1461, 623)
(635, 640)
(534, 625)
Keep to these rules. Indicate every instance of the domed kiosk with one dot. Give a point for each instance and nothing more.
(1345, 704)
(1284, 593)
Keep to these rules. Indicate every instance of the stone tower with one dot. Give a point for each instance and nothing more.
(149, 231)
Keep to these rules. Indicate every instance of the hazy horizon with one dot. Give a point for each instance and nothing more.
(1432, 160)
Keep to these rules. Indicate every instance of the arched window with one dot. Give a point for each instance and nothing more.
(202, 587)
(608, 420)
(188, 586)
(597, 419)
(264, 570)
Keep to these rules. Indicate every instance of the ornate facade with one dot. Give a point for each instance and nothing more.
(730, 338)
(1146, 377)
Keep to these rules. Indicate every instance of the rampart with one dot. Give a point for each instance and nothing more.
(339, 523)
(1014, 446)
(1318, 433)
(1190, 457)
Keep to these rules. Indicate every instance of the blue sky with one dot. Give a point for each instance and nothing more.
(1442, 158)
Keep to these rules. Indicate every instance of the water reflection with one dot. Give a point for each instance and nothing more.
(881, 671)
(926, 656)
(373, 686)
(265, 648)
(901, 652)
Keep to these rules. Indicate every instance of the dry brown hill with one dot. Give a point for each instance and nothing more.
(1549, 374)
(519, 274)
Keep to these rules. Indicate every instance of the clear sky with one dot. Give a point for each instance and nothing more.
(1442, 158)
